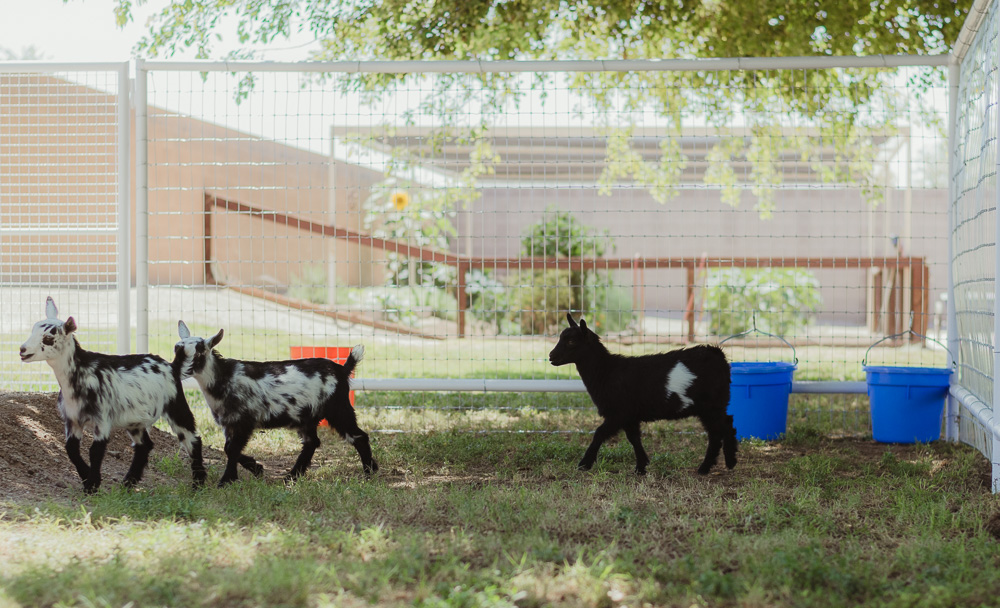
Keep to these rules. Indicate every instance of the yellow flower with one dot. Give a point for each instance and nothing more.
(399, 200)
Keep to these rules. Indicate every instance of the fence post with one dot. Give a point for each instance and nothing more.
(141, 212)
(992, 98)
(124, 213)
(951, 427)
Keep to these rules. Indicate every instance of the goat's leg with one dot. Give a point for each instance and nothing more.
(97, 450)
(310, 441)
(250, 464)
(142, 445)
(359, 439)
(181, 421)
(720, 429)
(604, 432)
(729, 443)
(73, 451)
(634, 435)
(342, 418)
(712, 453)
(236, 440)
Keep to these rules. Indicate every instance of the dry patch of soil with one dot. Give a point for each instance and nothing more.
(33, 461)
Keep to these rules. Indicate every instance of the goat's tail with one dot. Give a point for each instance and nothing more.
(357, 354)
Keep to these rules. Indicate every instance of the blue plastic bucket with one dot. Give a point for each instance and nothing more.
(907, 403)
(758, 398)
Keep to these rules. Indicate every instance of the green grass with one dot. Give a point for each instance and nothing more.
(499, 519)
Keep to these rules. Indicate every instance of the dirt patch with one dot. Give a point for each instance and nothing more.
(993, 526)
(33, 461)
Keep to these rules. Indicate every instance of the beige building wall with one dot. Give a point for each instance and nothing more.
(58, 179)
(59, 174)
(189, 159)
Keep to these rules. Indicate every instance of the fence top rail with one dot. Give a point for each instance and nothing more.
(31, 67)
(973, 21)
(504, 66)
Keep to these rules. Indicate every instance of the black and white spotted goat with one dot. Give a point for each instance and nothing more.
(666, 386)
(249, 395)
(110, 392)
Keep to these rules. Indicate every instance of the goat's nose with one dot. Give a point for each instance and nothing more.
(23, 350)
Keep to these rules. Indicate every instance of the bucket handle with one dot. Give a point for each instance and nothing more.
(762, 332)
(909, 330)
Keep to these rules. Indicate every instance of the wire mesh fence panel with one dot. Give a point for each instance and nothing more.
(974, 231)
(449, 221)
(61, 187)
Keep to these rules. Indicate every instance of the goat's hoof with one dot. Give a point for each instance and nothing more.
(225, 481)
(583, 466)
(257, 470)
(704, 469)
(129, 482)
(641, 471)
(91, 487)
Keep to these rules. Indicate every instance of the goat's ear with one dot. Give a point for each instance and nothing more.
(51, 312)
(583, 323)
(215, 339)
(182, 330)
(69, 326)
(569, 317)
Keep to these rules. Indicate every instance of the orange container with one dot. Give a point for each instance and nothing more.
(333, 353)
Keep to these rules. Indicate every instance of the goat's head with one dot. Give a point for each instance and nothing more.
(574, 343)
(193, 351)
(49, 337)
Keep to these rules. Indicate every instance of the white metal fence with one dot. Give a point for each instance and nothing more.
(452, 219)
(64, 213)
(975, 226)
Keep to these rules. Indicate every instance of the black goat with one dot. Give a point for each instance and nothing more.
(666, 386)
(249, 395)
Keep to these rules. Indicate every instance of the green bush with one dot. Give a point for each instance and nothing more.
(488, 300)
(611, 309)
(783, 299)
(541, 299)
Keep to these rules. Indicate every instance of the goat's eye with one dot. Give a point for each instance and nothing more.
(48, 340)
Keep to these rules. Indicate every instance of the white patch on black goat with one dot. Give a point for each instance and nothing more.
(248, 395)
(108, 392)
(678, 381)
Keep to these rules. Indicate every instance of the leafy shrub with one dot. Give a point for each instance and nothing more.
(488, 300)
(540, 299)
(561, 235)
(782, 298)
(611, 308)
